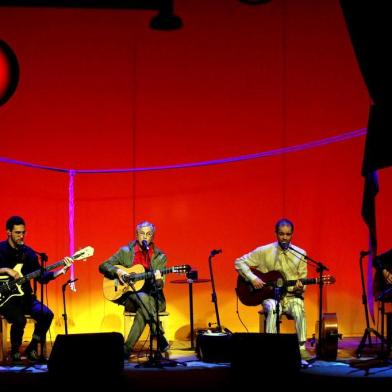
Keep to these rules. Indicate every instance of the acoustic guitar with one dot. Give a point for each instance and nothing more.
(13, 287)
(134, 280)
(250, 296)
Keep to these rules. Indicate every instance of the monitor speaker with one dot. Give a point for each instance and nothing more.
(100, 353)
(267, 352)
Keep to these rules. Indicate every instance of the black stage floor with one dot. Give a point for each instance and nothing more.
(183, 371)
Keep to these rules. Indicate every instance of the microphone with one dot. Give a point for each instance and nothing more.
(364, 253)
(69, 281)
(284, 245)
(215, 252)
(145, 245)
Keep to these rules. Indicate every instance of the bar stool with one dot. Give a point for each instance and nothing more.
(4, 333)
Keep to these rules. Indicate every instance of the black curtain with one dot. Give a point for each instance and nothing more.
(370, 29)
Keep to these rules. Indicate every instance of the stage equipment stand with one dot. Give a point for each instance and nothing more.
(320, 268)
(65, 317)
(43, 258)
(369, 331)
(214, 298)
(155, 359)
(192, 279)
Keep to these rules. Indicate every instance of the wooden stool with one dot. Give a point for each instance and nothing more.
(128, 319)
(263, 319)
(4, 333)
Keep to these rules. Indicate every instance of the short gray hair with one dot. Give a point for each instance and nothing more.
(145, 224)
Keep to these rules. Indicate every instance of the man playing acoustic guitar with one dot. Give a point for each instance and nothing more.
(17, 263)
(118, 268)
(285, 258)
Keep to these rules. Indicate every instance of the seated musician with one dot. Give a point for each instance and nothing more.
(140, 251)
(280, 256)
(17, 262)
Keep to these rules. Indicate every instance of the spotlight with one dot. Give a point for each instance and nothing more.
(9, 72)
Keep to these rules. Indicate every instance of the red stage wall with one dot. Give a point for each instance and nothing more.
(99, 90)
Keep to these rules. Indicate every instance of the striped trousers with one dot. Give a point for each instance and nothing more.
(292, 306)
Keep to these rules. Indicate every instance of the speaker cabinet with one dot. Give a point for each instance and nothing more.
(265, 352)
(100, 353)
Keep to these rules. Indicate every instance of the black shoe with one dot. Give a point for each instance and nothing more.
(32, 355)
(163, 344)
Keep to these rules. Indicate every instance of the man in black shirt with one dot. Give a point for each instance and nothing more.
(18, 299)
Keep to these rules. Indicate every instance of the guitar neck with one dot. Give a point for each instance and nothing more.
(37, 273)
(303, 281)
(150, 274)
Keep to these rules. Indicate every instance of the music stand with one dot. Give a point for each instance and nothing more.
(190, 283)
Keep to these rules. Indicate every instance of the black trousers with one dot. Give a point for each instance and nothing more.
(15, 309)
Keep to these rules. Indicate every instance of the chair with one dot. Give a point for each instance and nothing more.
(4, 334)
(263, 318)
(128, 319)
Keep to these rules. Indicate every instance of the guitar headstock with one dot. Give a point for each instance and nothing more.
(181, 269)
(327, 279)
(83, 253)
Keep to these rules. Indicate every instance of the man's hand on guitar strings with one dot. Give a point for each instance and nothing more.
(257, 283)
(122, 276)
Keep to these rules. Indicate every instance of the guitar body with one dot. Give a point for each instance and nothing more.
(10, 291)
(328, 342)
(10, 287)
(382, 291)
(250, 296)
(113, 290)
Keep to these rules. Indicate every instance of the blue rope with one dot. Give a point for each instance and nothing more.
(279, 151)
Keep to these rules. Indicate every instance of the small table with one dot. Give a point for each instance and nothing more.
(190, 286)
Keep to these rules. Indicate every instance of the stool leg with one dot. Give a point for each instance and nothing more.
(4, 333)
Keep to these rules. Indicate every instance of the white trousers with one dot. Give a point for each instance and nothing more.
(292, 306)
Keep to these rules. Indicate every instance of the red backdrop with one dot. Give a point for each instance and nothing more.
(99, 89)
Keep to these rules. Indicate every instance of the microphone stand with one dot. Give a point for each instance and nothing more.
(320, 268)
(44, 258)
(277, 308)
(63, 287)
(155, 360)
(213, 295)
